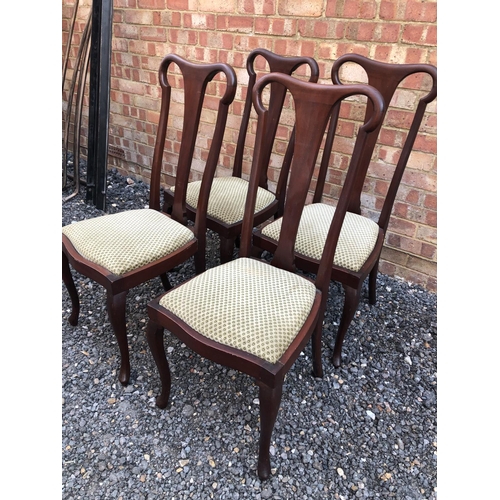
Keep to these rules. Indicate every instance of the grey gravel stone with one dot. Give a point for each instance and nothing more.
(373, 419)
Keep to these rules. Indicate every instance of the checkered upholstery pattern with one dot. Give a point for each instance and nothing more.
(356, 241)
(246, 304)
(128, 240)
(227, 198)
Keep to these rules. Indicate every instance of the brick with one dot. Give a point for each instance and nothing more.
(300, 8)
(387, 32)
(430, 201)
(147, 103)
(132, 4)
(275, 26)
(423, 266)
(153, 34)
(298, 47)
(392, 257)
(216, 40)
(391, 10)
(421, 10)
(130, 87)
(138, 17)
(382, 53)
(420, 34)
(389, 155)
(350, 48)
(142, 47)
(235, 23)
(201, 21)
(421, 161)
(152, 4)
(402, 227)
(129, 31)
(426, 143)
(216, 5)
(182, 37)
(360, 31)
(330, 29)
(427, 234)
(259, 7)
(420, 180)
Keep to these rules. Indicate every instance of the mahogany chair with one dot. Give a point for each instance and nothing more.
(248, 314)
(361, 239)
(227, 197)
(122, 250)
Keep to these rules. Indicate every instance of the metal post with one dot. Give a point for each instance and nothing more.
(100, 74)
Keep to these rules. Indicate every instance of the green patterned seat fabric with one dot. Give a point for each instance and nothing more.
(246, 304)
(227, 198)
(356, 241)
(128, 240)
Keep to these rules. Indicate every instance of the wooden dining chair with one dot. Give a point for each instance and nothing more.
(227, 197)
(122, 250)
(248, 314)
(361, 239)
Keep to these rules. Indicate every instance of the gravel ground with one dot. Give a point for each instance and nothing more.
(366, 430)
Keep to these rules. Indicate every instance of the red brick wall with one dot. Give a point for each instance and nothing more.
(396, 31)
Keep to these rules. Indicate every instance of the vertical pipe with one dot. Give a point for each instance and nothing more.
(100, 74)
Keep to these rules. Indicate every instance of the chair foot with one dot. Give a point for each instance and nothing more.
(270, 399)
(154, 336)
(116, 312)
(73, 294)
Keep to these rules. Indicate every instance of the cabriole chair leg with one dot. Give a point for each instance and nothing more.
(73, 294)
(154, 336)
(116, 312)
(351, 302)
(270, 399)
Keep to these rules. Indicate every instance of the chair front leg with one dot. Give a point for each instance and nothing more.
(154, 336)
(116, 311)
(73, 294)
(351, 302)
(270, 399)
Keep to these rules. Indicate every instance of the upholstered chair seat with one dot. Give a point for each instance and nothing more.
(356, 241)
(246, 304)
(227, 198)
(128, 240)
